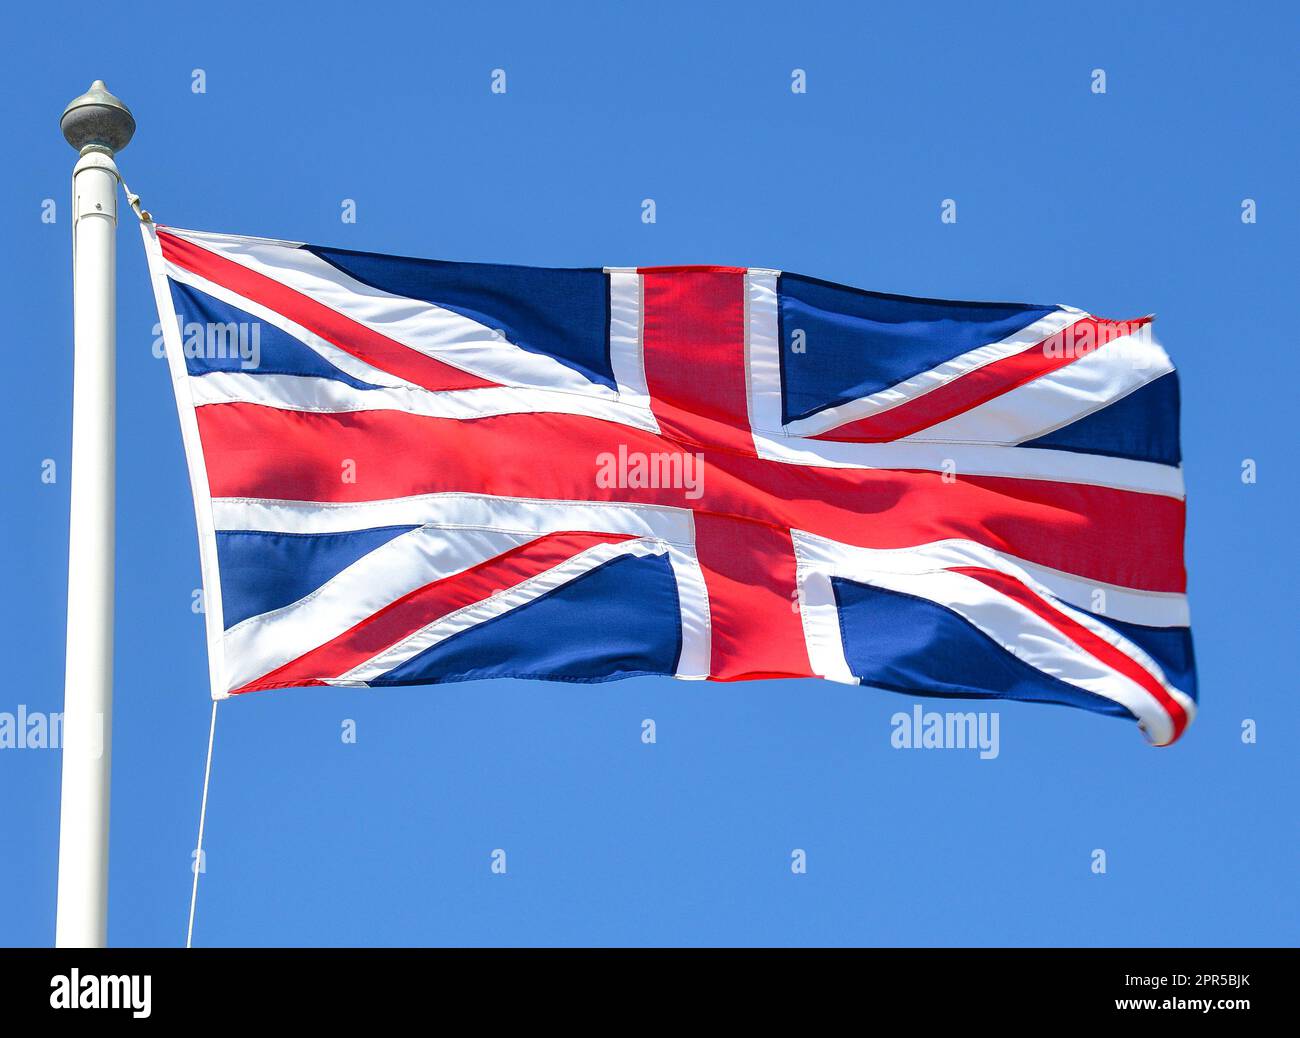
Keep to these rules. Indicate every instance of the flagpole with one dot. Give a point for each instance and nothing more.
(98, 125)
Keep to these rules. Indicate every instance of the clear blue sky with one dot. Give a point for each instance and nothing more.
(1124, 204)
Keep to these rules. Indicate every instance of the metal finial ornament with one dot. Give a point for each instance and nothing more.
(97, 121)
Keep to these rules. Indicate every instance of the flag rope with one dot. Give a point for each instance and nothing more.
(203, 814)
(133, 200)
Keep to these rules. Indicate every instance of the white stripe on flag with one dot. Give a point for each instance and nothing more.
(496, 605)
(326, 395)
(927, 381)
(442, 334)
(1094, 381)
(531, 516)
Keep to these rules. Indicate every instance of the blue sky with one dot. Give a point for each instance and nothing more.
(1124, 204)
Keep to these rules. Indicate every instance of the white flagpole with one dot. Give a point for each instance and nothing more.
(97, 124)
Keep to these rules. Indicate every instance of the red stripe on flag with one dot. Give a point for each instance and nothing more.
(364, 343)
(977, 387)
(694, 343)
(693, 338)
(1089, 641)
(1115, 536)
(749, 571)
(424, 605)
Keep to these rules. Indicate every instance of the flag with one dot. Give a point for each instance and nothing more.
(414, 471)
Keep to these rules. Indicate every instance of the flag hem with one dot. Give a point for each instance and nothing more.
(194, 460)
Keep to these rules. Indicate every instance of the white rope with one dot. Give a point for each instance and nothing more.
(133, 200)
(203, 814)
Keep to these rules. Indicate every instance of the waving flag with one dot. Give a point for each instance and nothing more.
(411, 471)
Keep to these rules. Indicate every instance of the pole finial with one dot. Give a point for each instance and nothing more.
(97, 120)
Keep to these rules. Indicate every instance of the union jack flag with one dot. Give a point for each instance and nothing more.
(410, 471)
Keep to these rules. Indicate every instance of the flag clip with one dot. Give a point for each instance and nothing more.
(133, 200)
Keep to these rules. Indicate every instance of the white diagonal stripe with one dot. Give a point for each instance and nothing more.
(928, 381)
(925, 571)
(1097, 379)
(496, 605)
(457, 511)
(442, 334)
(341, 359)
(262, 643)
(324, 395)
(1129, 605)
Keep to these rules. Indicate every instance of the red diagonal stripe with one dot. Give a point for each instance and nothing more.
(426, 604)
(1086, 639)
(364, 343)
(981, 385)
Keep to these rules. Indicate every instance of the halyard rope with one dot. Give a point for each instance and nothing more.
(203, 814)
